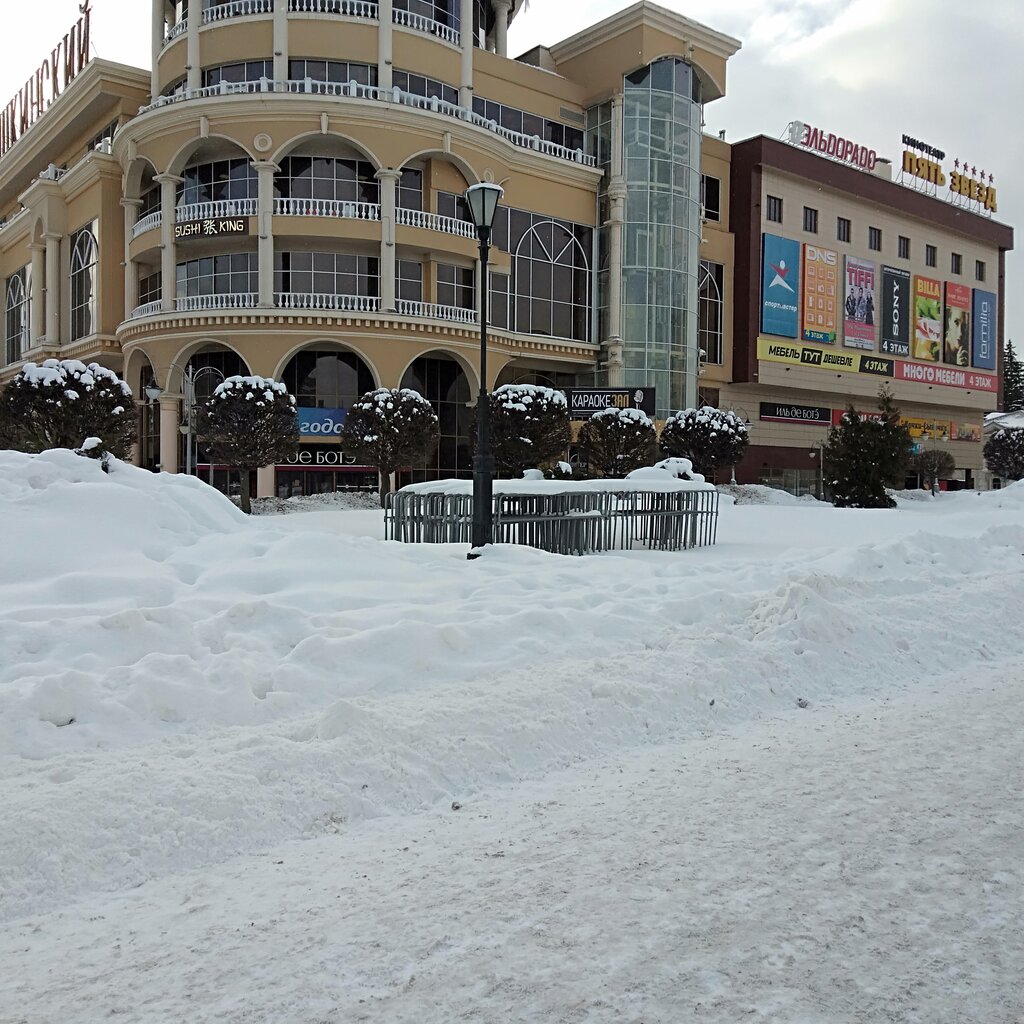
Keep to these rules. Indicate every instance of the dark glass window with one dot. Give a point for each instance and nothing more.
(956, 263)
(774, 209)
(455, 286)
(810, 220)
(229, 274)
(339, 71)
(843, 229)
(316, 177)
(429, 88)
(150, 288)
(515, 120)
(451, 205)
(499, 292)
(410, 280)
(240, 71)
(931, 256)
(444, 384)
(712, 310)
(410, 189)
(979, 270)
(18, 320)
(711, 197)
(84, 259)
(326, 273)
(875, 239)
(221, 179)
(327, 379)
(903, 245)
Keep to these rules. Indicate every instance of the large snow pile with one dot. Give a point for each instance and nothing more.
(182, 686)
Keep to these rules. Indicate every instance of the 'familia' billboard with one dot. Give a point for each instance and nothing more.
(957, 325)
(984, 322)
(780, 277)
(895, 323)
(859, 304)
(821, 294)
(927, 318)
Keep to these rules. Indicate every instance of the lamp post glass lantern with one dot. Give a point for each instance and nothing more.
(482, 201)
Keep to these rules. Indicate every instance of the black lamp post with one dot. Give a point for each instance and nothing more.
(482, 201)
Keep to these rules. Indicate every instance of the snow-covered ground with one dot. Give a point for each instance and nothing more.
(777, 779)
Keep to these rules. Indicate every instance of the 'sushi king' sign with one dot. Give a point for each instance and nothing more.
(61, 67)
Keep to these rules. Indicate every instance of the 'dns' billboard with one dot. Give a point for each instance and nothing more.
(821, 294)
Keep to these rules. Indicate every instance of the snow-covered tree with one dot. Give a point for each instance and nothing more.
(59, 403)
(529, 425)
(616, 441)
(247, 423)
(1004, 453)
(390, 428)
(1013, 380)
(710, 438)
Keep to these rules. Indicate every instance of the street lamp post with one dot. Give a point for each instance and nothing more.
(189, 377)
(482, 201)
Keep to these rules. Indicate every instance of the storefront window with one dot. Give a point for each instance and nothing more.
(442, 381)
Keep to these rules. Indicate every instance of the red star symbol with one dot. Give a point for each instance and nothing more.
(956, 163)
(974, 170)
(982, 175)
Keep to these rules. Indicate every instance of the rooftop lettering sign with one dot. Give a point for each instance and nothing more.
(61, 67)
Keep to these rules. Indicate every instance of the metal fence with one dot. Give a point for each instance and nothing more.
(566, 523)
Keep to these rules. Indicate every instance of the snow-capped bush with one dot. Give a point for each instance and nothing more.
(59, 403)
(390, 428)
(710, 438)
(1004, 453)
(529, 425)
(615, 441)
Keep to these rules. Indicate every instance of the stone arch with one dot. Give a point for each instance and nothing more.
(139, 170)
(462, 166)
(172, 375)
(181, 158)
(471, 372)
(286, 148)
(338, 380)
(327, 343)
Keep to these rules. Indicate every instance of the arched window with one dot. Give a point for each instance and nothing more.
(327, 378)
(18, 315)
(83, 282)
(552, 284)
(712, 306)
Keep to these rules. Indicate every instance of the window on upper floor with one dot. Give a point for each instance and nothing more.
(903, 247)
(842, 229)
(327, 273)
(455, 286)
(410, 189)
(228, 274)
(218, 180)
(711, 313)
(150, 288)
(420, 85)
(931, 256)
(338, 71)
(327, 178)
(499, 296)
(956, 263)
(240, 71)
(409, 280)
(150, 202)
(773, 209)
(979, 270)
(19, 318)
(810, 220)
(515, 120)
(552, 282)
(451, 205)
(711, 197)
(875, 239)
(84, 261)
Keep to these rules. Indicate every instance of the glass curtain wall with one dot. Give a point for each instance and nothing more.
(661, 244)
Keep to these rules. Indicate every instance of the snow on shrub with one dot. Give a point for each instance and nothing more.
(615, 441)
(529, 425)
(1004, 453)
(710, 438)
(59, 403)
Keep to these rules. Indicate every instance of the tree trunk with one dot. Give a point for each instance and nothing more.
(243, 496)
(385, 484)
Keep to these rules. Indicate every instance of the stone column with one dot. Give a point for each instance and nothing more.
(265, 172)
(266, 482)
(466, 40)
(388, 205)
(131, 277)
(168, 253)
(37, 327)
(281, 40)
(193, 62)
(169, 434)
(501, 9)
(52, 327)
(616, 220)
(159, 32)
(385, 44)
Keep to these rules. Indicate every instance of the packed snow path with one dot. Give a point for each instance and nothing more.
(841, 865)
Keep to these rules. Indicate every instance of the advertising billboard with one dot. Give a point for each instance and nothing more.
(821, 294)
(983, 323)
(956, 349)
(320, 423)
(780, 282)
(927, 318)
(813, 414)
(585, 402)
(895, 323)
(859, 304)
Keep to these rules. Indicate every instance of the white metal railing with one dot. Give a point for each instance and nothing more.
(237, 9)
(228, 300)
(422, 24)
(147, 223)
(316, 300)
(355, 90)
(214, 209)
(348, 8)
(146, 309)
(431, 311)
(326, 208)
(176, 30)
(435, 222)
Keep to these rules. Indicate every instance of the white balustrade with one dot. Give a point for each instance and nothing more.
(326, 208)
(147, 223)
(423, 24)
(326, 302)
(215, 210)
(147, 309)
(176, 30)
(346, 8)
(431, 311)
(435, 222)
(237, 9)
(228, 300)
(355, 90)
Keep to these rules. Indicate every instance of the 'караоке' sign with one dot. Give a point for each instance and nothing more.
(774, 351)
(212, 227)
(64, 63)
(584, 402)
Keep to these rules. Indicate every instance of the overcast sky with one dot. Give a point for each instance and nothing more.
(945, 71)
